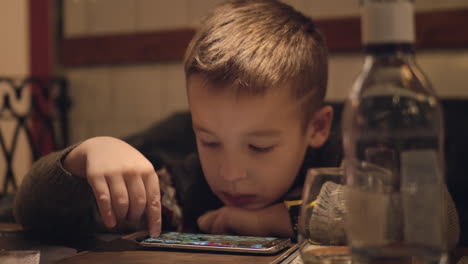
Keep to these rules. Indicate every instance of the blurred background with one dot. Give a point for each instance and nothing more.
(120, 94)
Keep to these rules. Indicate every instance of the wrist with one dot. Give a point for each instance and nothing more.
(75, 161)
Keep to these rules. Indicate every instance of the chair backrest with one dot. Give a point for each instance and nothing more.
(33, 122)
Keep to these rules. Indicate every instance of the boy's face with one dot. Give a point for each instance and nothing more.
(250, 147)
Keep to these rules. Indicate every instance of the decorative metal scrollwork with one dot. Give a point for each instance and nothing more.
(37, 107)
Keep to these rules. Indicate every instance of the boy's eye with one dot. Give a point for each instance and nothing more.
(261, 149)
(210, 144)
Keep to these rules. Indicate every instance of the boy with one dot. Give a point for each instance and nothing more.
(256, 75)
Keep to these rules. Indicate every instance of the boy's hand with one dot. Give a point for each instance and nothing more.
(270, 221)
(123, 181)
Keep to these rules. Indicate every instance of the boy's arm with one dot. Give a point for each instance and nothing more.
(53, 203)
(60, 204)
(270, 221)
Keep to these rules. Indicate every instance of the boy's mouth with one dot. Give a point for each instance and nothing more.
(238, 200)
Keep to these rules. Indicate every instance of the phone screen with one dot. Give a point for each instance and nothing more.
(247, 242)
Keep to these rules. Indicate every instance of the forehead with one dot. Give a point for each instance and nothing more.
(223, 108)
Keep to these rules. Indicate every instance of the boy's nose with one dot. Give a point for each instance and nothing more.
(232, 170)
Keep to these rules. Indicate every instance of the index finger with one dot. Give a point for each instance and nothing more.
(153, 203)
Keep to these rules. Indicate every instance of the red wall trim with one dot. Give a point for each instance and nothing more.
(126, 48)
(41, 63)
(438, 29)
(40, 37)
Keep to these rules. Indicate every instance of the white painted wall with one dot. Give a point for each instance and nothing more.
(14, 47)
(14, 62)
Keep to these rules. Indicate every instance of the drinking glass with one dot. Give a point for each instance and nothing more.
(315, 229)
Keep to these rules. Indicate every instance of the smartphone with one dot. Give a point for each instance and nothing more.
(226, 243)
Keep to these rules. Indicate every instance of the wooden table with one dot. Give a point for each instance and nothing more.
(12, 237)
(112, 249)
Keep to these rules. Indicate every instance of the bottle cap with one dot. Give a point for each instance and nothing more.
(387, 21)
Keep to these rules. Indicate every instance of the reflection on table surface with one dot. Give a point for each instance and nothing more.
(12, 238)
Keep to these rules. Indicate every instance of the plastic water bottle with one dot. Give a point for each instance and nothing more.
(392, 134)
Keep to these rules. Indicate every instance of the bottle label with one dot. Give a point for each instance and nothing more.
(385, 22)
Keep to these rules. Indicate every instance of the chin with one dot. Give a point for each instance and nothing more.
(249, 206)
(254, 206)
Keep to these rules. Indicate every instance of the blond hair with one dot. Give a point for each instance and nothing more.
(255, 45)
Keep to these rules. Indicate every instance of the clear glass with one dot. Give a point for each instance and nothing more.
(392, 136)
(310, 235)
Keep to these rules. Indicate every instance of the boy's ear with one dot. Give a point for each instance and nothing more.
(320, 126)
